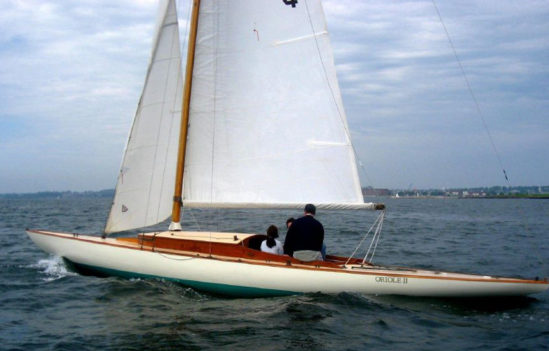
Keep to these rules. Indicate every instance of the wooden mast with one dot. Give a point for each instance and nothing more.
(177, 200)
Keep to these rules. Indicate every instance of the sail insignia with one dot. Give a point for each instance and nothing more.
(290, 2)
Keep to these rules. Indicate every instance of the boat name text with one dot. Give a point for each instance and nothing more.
(392, 280)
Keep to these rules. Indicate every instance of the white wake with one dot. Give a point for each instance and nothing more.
(53, 268)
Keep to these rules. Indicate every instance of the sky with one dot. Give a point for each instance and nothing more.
(71, 74)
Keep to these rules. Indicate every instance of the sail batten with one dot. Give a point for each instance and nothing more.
(301, 38)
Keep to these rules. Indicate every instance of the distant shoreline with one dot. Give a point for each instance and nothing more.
(59, 194)
(501, 197)
(493, 192)
(518, 196)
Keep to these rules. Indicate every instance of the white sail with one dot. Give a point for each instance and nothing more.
(267, 124)
(145, 184)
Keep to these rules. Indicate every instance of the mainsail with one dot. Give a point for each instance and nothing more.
(267, 124)
(145, 184)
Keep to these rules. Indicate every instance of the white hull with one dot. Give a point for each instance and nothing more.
(230, 276)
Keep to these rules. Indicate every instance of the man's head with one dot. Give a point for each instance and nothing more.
(289, 222)
(310, 209)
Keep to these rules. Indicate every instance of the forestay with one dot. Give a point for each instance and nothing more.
(267, 124)
(146, 181)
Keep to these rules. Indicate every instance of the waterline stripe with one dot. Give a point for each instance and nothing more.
(220, 289)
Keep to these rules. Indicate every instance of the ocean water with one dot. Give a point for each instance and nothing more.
(46, 307)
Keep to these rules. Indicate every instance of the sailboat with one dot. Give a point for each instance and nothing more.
(256, 122)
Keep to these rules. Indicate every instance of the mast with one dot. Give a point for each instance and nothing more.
(177, 200)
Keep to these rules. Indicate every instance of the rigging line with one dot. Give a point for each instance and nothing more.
(216, 47)
(214, 98)
(186, 37)
(361, 166)
(485, 125)
(185, 45)
(325, 71)
(362, 240)
(173, 115)
(162, 117)
(469, 88)
(380, 226)
(373, 237)
(189, 210)
(340, 113)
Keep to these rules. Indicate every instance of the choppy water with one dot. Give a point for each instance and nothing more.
(46, 307)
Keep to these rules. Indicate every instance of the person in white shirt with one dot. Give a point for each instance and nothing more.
(272, 245)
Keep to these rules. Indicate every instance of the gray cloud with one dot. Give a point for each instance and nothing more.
(72, 72)
(407, 101)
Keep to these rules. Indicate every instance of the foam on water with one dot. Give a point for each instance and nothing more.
(53, 267)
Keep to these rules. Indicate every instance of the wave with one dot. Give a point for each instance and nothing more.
(54, 268)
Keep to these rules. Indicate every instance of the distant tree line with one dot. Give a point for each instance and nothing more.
(486, 192)
(59, 194)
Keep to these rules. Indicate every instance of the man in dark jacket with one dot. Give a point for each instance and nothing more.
(305, 233)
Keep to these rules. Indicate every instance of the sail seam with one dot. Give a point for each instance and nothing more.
(216, 47)
(165, 59)
(159, 103)
(216, 66)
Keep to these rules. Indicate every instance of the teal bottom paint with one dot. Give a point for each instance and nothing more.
(218, 289)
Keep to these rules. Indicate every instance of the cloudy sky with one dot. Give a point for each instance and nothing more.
(71, 73)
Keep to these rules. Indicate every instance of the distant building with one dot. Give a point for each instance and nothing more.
(375, 192)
